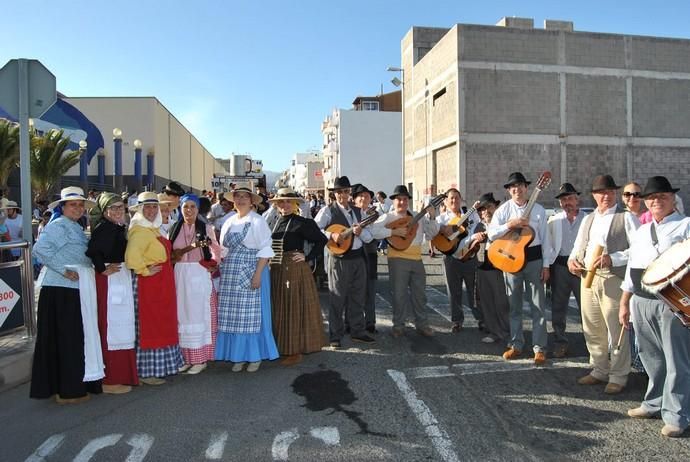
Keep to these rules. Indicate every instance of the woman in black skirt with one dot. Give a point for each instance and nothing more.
(60, 366)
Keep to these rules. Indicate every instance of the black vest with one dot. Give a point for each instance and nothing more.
(338, 218)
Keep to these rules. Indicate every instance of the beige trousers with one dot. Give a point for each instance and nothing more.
(601, 328)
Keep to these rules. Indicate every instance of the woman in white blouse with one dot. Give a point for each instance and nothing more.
(245, 333)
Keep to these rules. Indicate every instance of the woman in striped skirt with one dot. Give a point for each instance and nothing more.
(148, 255)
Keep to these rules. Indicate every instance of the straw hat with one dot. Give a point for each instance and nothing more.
(147, 197)
(286, 194)
(7, 204)
(163, 198)
(72, 193)
(256, 199)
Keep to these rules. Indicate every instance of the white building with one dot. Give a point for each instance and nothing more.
(306, 173)
(365, 143)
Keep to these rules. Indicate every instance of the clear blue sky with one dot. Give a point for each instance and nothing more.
(260, 76)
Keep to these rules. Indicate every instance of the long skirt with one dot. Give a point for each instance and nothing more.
(120, 365)
(297, 320)
(251, 347)
(206, 352)
(155, 362)
(58, 366)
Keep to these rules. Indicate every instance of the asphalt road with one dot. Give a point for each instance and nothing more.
(444, 398)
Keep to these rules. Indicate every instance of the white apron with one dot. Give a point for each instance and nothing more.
(121, 330)
(193, 285)
(93, 356)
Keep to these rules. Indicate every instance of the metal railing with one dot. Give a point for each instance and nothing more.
(27, 281)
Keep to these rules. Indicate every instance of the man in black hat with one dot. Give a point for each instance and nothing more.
(609, 228)
(406, 269)
(664, 341)
(362, 197)
(535, 273)
(455, 270)
(563, 228)
(493, 301)
(174, 191)
(347, 273)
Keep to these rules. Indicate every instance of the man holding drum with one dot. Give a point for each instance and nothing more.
(664, 341)
(602, 246)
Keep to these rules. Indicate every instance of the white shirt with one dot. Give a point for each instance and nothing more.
(562, 233)
(672, 229)
(598, 233)
(323, 219)
(537, 220)
(258, 236)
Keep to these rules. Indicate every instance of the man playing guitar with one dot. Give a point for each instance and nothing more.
(405, 266)
(535, 272)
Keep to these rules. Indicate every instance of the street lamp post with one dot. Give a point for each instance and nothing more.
(117, 173)
(83, 166)
(400, 83)
(137, 163)
(150, 167)
(101, 167)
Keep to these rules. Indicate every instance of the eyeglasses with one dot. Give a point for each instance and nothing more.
(116, 208)
(631, 194)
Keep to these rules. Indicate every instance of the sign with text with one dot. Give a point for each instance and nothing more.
(11, 312)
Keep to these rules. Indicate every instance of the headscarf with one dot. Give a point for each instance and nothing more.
(105, 200)
(140, 220)
(189, 197)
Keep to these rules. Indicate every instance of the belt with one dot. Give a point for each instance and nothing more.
(561, 260)
(646, 295)
(533, 253)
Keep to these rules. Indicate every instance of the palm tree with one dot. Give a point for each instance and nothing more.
(9, 150)
(50, 160)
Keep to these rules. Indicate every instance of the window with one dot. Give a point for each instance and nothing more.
(438, 94)
(370, 105)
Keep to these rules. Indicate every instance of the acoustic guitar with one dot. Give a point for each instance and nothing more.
(507, 253)
(347, 233)
(449, 245)
(199, 242)
(403, 242)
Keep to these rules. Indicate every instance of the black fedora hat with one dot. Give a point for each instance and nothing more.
(658, 184)
(514, 178)
(566, 189)
(359, 188)
(604, 182)
(174, 189)
(340, 182)
(486, 199)
(400, 190)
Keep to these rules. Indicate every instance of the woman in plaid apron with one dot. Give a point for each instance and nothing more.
(245, 333)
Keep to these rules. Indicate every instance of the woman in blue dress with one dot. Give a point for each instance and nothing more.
(245, 333)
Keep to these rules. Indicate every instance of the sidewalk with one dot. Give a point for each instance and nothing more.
(16, 351)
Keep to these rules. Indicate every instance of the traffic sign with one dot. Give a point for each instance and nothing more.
(42, 90)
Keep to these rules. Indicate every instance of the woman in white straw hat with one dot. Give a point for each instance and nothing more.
(66, 358)
(245, 333)
(148, 255)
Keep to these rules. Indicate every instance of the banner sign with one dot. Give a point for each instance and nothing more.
(11, 307)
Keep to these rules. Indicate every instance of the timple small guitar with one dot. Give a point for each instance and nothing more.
(449, 245)
(346, 233)
(403, 242)
(507, 253)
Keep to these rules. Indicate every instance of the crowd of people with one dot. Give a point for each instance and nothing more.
(169, 282)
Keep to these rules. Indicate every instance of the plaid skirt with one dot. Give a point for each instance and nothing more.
(154, 362)
(297, 320)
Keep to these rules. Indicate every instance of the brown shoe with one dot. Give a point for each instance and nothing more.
(640, 413)
(116, 389)
(152, 381)
(511, 353)
(81, 399)
(613, 388)
(539, 358)
(560, 351)
(291, 360)
(425, 332)
(589, 379)
(457, 327)
(397, 332)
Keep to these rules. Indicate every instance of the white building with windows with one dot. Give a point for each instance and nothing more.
(306, 173)
(365, 143)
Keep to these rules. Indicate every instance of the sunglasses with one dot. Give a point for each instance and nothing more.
(631, 194)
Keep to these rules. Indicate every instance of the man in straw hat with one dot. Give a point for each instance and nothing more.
(664, 341)
(602, 244)
(563, 228)
(347, 273)
(535, 273)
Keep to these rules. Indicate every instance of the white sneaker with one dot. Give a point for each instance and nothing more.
(237, 367)
(195, 369)
(253, 367)
(184, 368)
(488, 339)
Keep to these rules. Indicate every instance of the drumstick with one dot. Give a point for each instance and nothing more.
(620, 340)
(598, 250)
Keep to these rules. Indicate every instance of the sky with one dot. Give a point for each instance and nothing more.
(260, 76)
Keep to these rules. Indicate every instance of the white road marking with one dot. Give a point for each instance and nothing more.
(96, 445)
(383, 301)
(217, 446)
(491, 367)
(48, 447)
(439, 438)
(282, 442)
(329, 435)
(141, 443)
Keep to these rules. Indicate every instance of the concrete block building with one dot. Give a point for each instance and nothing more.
(482, 101)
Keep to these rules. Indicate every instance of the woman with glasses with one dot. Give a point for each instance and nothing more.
(114, 293)
(633, 202)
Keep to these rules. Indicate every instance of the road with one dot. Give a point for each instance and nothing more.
(445, 398)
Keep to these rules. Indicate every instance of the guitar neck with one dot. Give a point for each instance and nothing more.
(531, 202)
(366, 222)
(465, 216)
